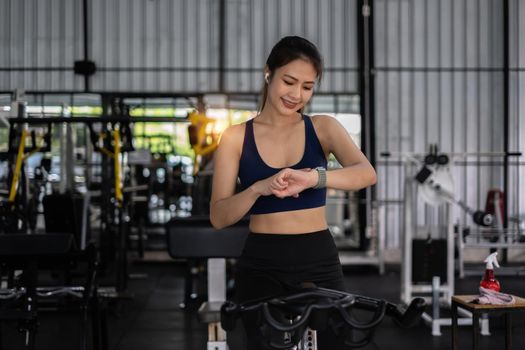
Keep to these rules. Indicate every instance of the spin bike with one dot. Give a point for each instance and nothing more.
(291, 321)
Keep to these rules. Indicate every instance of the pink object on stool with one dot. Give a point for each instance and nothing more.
(487, 296)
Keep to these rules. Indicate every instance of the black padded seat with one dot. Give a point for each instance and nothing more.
(197, 238)
(16, 245)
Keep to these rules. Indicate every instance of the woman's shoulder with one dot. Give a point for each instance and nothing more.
(234, 134)
(323, 121)
(327, 129)
(235, 129)
(321, 118)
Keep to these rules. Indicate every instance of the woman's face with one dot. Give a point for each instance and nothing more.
(291, 86)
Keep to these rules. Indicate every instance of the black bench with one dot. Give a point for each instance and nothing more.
(195, 238)
(33, 254)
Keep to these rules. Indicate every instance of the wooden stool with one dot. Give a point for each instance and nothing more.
(465, 302)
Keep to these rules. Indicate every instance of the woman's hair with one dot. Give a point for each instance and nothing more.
(288, 49)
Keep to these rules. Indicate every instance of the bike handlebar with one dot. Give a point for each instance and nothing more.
(306, 303)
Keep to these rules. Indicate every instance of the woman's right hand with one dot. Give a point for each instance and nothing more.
(265, 187)
(279, 183)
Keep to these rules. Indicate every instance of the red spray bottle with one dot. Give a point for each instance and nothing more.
(489, 281)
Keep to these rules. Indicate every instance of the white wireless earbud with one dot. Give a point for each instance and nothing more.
(267, 77)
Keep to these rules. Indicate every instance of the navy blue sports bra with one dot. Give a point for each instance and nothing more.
(252, 168)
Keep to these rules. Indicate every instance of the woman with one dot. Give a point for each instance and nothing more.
(280, 157)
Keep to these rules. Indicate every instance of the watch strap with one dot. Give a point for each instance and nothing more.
(321, 182)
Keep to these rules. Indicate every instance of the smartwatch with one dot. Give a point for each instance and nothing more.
(321, 183)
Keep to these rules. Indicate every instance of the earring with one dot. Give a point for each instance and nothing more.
(267, 78)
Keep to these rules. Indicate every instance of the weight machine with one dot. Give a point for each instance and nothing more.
(15, 213)
(429, 178)
(492, 237)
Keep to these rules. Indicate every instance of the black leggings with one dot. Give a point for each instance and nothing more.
(274, 264)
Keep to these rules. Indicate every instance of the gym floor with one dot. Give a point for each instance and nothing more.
(153, 320)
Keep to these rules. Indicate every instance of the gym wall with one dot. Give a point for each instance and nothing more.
(39, 41)
(440, 79)
(170, 46)
(439, 68)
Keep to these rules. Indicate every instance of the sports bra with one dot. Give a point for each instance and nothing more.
(252, 168)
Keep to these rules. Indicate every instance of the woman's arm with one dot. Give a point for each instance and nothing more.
(357, 172)
(226, 207)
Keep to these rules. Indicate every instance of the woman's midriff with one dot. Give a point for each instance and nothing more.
(292, 222)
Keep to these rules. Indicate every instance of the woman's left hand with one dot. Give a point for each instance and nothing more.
(291, 182)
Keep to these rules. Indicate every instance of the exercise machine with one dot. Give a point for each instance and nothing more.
(493, 237)
(291, 321)
(429, 179)
(22, 296)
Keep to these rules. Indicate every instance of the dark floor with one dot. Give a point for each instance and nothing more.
(153, 320)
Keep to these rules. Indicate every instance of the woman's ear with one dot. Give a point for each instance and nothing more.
(266, 74)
